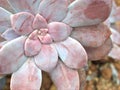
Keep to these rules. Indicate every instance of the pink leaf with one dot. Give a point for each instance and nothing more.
(53, 10)
(12, 56)
(6, 5)
(99, 52)
(10, 34)
(32, 45)
(65, 78)
(4, 20)
(87, 12)
(91, 36)
(59, 31)
(25, 5)
(22, 23)
(47, 59)
(39, 22)
(115, 52)
(28, 77)
(115, 36)
(72, 53)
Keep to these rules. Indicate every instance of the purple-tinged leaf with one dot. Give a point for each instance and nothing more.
(87, 12)
(10, 34)
(28, 77)
(12, 55)
(91, 36)
(53, 10)
(72, 53)
(59, 31)
(4, 20)
(39, 22)
(22, 23)
(32, 44)
(25, 5)
(115, 52)
(65, 78)
(47, 59)
(115, 36)
(99, 52)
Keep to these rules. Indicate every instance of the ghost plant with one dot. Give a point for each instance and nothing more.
(56, 36)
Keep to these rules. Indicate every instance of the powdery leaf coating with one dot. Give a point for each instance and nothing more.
(32, 45)
(39, 22)
(28, 77)
(10, 34)
(87, 12)
(49, 9)
(10, 62)
(99, 52)
(115, 13)
(91, 36)
(115, 52)
(47, 58)
(72, 53)
(6, 5)
(59, 31)
(4, 20)
(25, 5)
(65, 78)
(115, 36)
(22, 23)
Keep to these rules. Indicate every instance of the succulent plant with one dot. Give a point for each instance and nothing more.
(56, 36)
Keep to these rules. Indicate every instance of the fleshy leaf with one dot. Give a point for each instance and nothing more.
(22, 23)
(87, 12)
(4, 20)
(99, 52)
(39, 22)
(25, 5)
(47, 59)
(72, 53)
(12, 56)
(28, 77)
(115, 13)
(10, 34)
(91, 36)
(115, 36)
(115, 52)
(59, 31)
(65, 78)
(32, 44)
(5, 5)
(49, 9)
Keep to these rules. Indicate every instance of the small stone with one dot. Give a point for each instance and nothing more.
(117, 65)
(53, 87)
(106, 73)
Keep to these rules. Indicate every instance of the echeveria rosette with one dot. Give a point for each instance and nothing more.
(39, 38)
